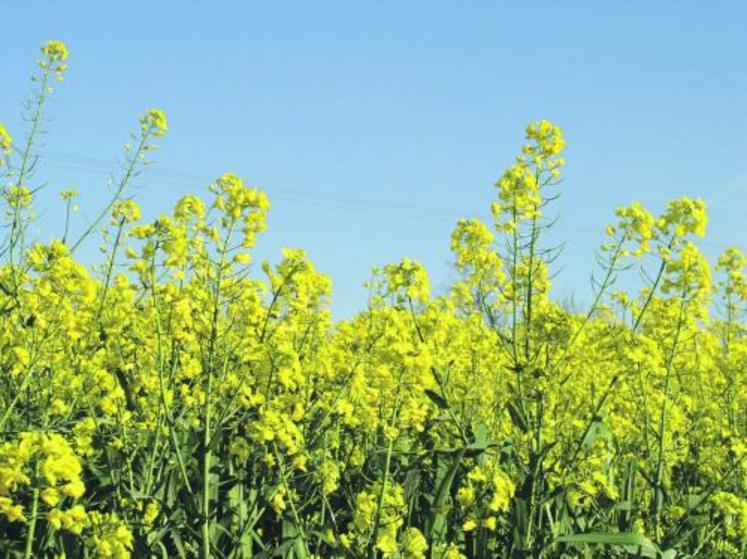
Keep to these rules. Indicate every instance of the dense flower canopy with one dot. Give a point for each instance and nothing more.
(179, 401)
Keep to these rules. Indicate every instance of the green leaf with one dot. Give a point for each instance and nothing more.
(278, 551)
(436, 399)
(640, 544)
(597, 429)
(436, 523)
(518, 416)
(481, 436)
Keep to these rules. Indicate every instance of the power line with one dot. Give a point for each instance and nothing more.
(104, 166)
(171, 175)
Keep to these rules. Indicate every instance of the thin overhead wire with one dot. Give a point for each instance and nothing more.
(173, 177)
(104, 167)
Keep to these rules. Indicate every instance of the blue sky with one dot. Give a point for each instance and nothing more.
(374, 126)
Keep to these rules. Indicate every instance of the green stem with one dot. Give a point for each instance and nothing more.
(16, 230)
(385, 480)
(380, 501)
(109, 269)
(206, 473)
(32, 524)
(652, 292)
(530, 287)
(161, 382)
(602, 289)
(206, 441)
(291, 500)
(514, 290)
(658, 504)
(129, 172)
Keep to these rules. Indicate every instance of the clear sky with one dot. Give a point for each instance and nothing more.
(374, 126)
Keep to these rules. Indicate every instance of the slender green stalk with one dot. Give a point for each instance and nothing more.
(530, 290)
(658, 504)
(654, 287)
(16, 226)
(129, 172)
(609, 276)
(384, 482)
(206, 486)
(291, 500)
(380, 499)
(514, 288)
(110, 268)
(170, 423)
(32, 524)
(207, 409)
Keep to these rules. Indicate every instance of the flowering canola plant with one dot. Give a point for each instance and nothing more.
(178, 400)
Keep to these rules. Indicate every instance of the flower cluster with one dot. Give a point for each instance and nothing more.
(55, 54)
(538, 166)
(43, 461)
(154, 122)
(6, 142)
